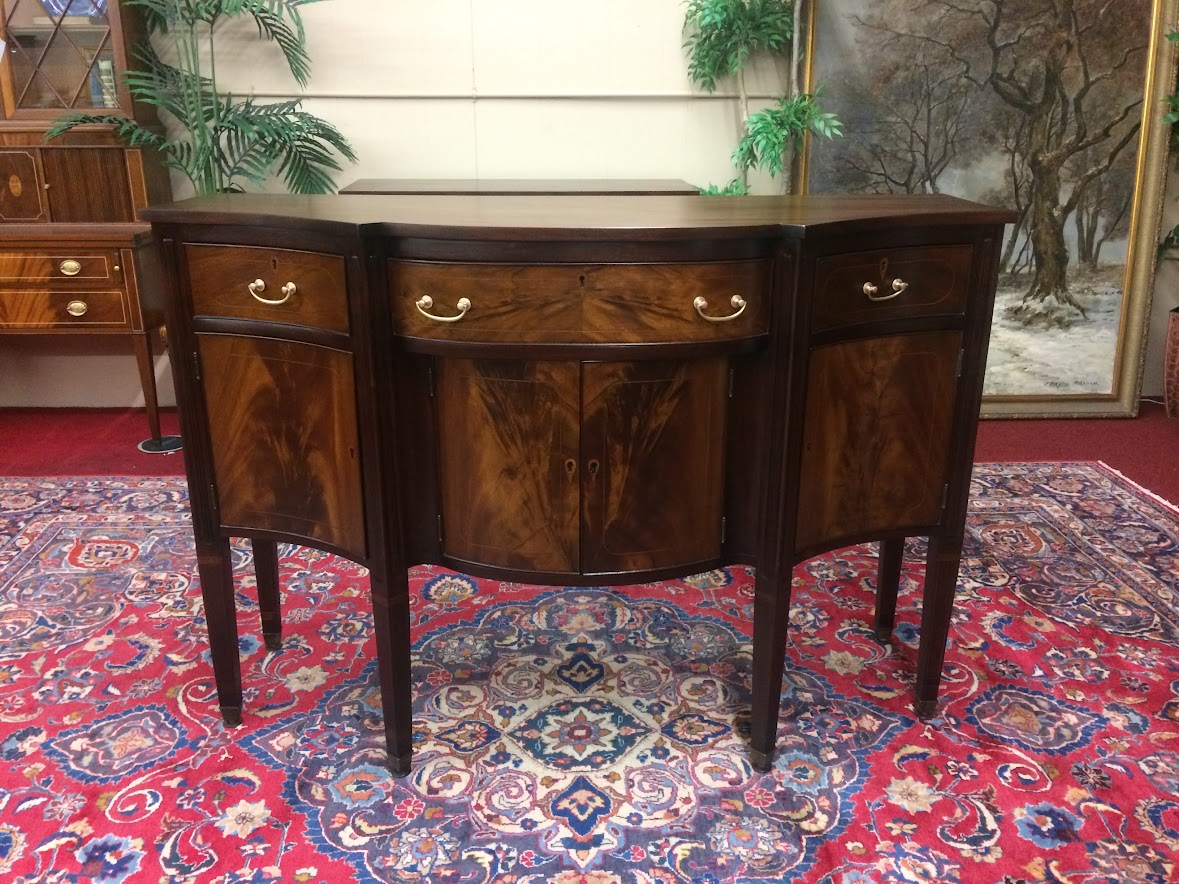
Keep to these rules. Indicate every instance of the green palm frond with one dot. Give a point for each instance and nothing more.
(283, 139)
(128, 131)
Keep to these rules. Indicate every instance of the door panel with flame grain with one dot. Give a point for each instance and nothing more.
(284, 437)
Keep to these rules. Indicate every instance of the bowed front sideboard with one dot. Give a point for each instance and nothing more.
(578, 390)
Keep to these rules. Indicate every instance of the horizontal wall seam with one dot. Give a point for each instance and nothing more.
(510, 96)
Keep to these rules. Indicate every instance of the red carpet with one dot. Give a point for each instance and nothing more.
(589, 735)
(83, 442)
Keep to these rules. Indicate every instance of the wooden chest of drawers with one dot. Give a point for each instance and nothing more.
(579, 390)
(86, 285)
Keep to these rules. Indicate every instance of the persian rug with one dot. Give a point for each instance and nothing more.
(593, 735)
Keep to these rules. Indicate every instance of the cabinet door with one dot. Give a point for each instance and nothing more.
(509, 470)
(87, 184)
(282, 424)
(653, 454)
(20, 186)
(876, 436)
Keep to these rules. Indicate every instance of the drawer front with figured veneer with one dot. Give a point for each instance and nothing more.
(581, 303)
(865, 287)
(23, 310)
(272, 285)
(20, 266)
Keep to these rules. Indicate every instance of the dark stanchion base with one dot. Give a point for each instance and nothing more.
(231, 715)
(273, 640)
(760, 760)
(882, 636)
(163, 445)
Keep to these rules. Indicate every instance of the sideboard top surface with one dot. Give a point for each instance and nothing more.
(576, 217)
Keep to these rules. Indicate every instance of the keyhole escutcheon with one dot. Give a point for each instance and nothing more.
(593, 467)
(570, 467)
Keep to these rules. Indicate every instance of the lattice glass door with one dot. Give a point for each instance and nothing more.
(60, 55)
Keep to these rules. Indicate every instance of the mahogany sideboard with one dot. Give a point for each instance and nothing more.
(578, 390)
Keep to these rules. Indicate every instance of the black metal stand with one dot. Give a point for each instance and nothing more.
(163, 445)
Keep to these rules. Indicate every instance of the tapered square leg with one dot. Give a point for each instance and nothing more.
(390, 594)
(771, 617)
(216, 573)
(888, 580)
(941, 581)
(147, 380)
(266, 572)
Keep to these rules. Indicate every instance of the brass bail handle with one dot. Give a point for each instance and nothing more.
(425, 302)
(259, 285)
(898, 286)
(738, 303)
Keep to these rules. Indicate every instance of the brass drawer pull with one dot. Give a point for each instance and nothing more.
(737, 301)
(898, 286)
(70, 267)
(258, 286)
(76, 308)
(425, 302)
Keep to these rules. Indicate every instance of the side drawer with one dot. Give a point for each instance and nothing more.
(21, 266)
(273, 285)
(857, 288)
(24, 310)
(572, 303)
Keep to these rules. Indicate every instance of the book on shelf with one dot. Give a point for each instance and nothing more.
(102, 84)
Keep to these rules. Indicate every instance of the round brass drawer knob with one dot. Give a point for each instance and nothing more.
(76, 308)
(70, 267)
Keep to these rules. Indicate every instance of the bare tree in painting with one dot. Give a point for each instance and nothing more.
(1010, 135)
(921, 130)
(1103, 209)
(1069, 72)
(919, 127)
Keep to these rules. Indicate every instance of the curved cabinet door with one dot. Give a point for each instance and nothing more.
(876, 436)
(283, 432)
(509, 473)
(653, 448)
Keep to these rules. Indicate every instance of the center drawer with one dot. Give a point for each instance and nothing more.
(580, 303)
(273, 285)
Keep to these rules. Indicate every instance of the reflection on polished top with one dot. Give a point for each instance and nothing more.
(575, 217)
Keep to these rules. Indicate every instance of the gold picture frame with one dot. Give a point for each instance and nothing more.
(1069, 349)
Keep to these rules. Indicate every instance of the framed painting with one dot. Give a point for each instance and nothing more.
(1050, 107)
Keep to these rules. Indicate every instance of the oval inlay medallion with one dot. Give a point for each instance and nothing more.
(14, 185)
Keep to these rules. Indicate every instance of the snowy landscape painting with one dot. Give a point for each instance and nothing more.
(1042, 106)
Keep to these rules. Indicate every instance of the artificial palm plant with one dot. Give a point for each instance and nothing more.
(722, 37)
(223, 142)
